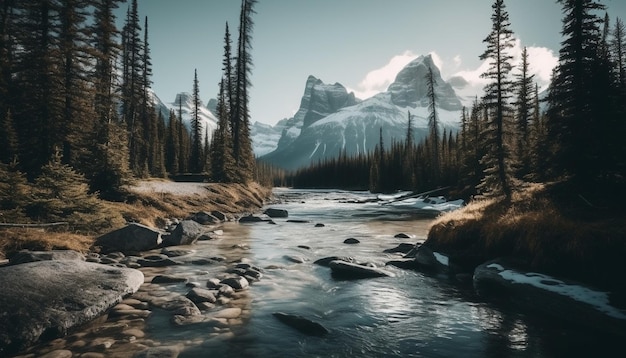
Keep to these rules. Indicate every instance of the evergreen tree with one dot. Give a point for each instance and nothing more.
(618, 47)
(133, 89)
(222, 162)
(497, 179)
(171, 145)
(149, 150)
(578, 110)
(227, 68)
(6, 53)
(36, 79)
(433, 125)
(109, 169)
(15, 193)
(523, 105)
(239, 111)
(8, 139)
(195, 161)
(62, 194)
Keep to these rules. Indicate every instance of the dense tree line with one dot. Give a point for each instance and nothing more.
(505, 139)
(75, 95)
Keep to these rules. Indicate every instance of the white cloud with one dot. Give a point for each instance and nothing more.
(457, 61)
(378, 80)
(541, 62)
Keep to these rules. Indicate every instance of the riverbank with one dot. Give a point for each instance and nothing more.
(546, 228)
(149, 202)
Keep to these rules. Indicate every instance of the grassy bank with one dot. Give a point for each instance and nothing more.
(548, 228)
(144, 205)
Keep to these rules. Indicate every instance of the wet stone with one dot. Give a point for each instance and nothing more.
(197, 295)
(237, 283)
(228, 313)
(159, 352)
(213, 283)
(60, 353)
(134, 332)
(168, 279)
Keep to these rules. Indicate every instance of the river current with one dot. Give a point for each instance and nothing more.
(411, 314)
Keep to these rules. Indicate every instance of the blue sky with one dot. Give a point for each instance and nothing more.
(358, 43)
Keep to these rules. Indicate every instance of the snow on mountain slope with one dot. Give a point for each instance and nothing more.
(356, 128)
(184, 103)
(264, 138)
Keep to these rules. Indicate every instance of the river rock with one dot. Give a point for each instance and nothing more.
(159, 352)
(348, 270)
(402, 263)
(402, 248)
(157, 262)
(402, 236)
(302, 324)
(237, 283)
(276, 213)
(42, 300)
(564, 299)
(132, 238)
(186, 232)
(425, 258)
(198, 295)
(254, 218)
(351, 241)
(25, 256)
(168, 279)
(325, 261)
(298, 221)
(204, 218)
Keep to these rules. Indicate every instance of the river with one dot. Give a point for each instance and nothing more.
(409, 315)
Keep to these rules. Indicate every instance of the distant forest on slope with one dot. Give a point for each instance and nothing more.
(505, 139)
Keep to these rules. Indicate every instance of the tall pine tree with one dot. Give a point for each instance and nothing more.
(239, 111)
(497, 179)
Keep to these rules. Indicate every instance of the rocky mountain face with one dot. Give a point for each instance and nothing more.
(331, 121)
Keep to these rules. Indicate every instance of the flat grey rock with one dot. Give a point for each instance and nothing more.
(42, 300)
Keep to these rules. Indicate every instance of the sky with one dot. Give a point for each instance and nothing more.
(361, 44)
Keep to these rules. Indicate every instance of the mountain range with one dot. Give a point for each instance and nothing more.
(331, 121)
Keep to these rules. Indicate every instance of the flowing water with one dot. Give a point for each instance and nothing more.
(409, 315)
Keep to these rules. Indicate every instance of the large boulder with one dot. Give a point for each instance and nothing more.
(348, 270)
(276, 213)
(42, 300)
(204, 218)
(430, 260)
(130, 239)
(303, 325)
(186, 232)
(25, 256)
(560, 298)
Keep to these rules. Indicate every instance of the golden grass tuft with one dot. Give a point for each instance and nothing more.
(547, 233)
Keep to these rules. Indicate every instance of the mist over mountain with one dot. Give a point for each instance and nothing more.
(331, 121)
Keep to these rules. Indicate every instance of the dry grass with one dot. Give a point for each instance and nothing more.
(145, 207)
(547, 233)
